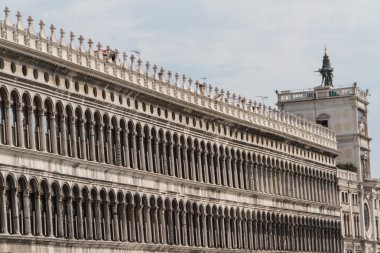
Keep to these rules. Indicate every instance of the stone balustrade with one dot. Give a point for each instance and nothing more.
(287, 96)
(135, 74)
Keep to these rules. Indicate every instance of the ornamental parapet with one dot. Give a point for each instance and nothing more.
(323, 93)
(133, 73)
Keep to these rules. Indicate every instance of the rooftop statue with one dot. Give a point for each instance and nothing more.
(326, 71)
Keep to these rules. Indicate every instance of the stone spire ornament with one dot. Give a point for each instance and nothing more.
(326, 71)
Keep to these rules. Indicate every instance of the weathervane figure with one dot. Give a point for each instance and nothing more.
(326, 71)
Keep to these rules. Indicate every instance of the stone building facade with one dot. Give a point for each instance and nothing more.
(103, 155)
(345, 109)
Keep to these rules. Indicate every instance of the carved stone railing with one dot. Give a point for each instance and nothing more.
(347, 175)
(322, 92)
(179, 87)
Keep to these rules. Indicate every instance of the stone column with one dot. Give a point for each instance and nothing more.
(234, 167)
(107, 220)
(164, 164)
(79, 218)
(184, 228)
(63, 136)
(42, 113)
(101, 143)
(115, 222)
(53, 134)
(73, 137)
(8, 123)
(89, 220)
(211, 230)
(109, 143)
(178, 162)
(212, 179)
(83, 140)
(228, 232)
(132, 223)
(26, 212)
(218, 168)
(155, 229)
(223, 170)
(262, 178)
(229, 171)
(3, 213)
(148, 229)
(15, 219)
(247, 177)
(177, 228)
(124, 235)
(59, 217)
(192, 159)
(126, 149)
(97, 220)
(171, 154)
(197, 231)
(185, 163)
(162, 225)
(205, 168)
(38, 213)
(222, 236)
(134, 150)
(32, 144)
(150, 157)
(170, 227)
(70, 217)
(157, 157)
(49, 218)
(20, 127)
(191, 228)
(200, 168)
(92, 142)
(142, 152)
(117, 146)
(204, 230)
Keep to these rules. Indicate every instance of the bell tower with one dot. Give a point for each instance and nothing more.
(344, 109)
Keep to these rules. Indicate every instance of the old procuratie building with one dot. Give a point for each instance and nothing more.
(345, 110)
(103, 155)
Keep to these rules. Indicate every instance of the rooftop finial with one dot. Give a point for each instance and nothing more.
(326, 71)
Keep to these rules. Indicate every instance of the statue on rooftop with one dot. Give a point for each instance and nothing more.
(326, 71)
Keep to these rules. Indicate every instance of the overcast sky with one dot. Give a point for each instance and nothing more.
(248, 47)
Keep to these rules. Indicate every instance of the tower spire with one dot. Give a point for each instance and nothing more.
(326, 71)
